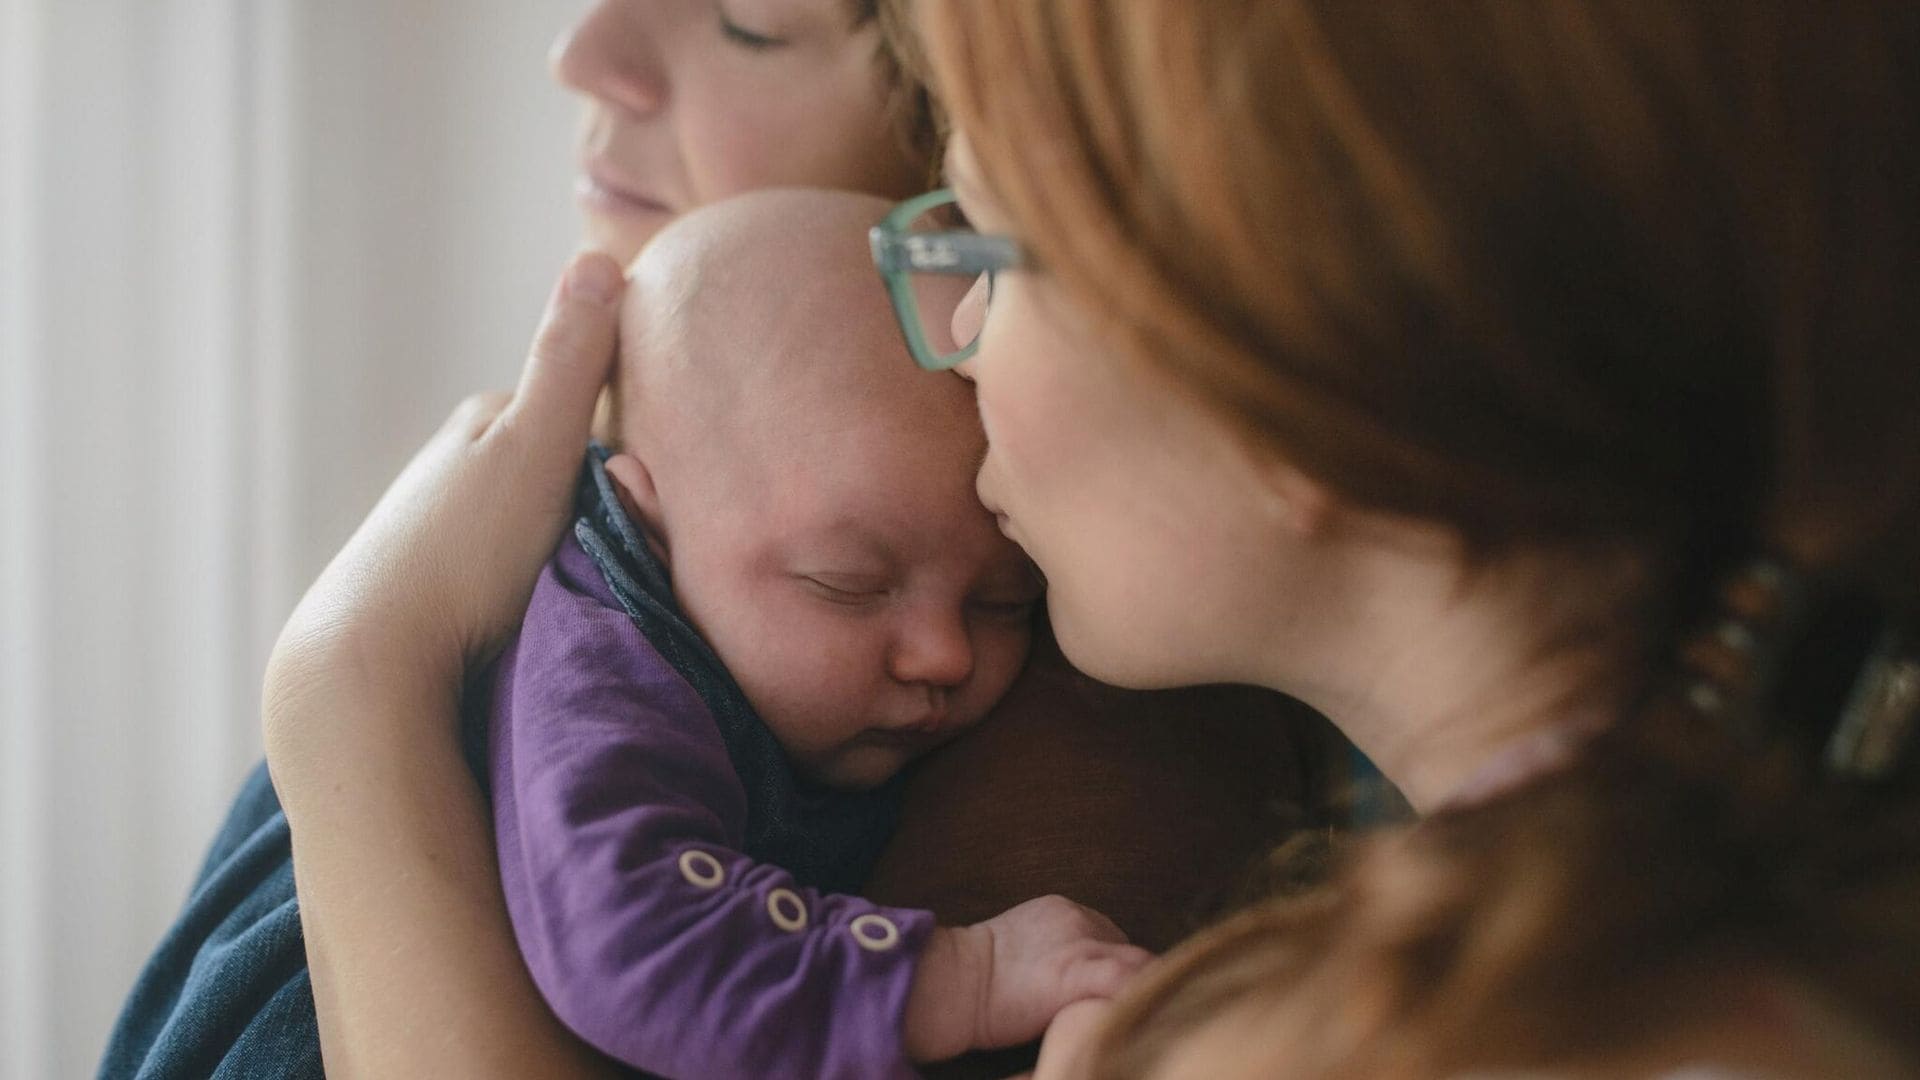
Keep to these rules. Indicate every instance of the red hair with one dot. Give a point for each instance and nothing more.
(1568, 270)
(1576, 921)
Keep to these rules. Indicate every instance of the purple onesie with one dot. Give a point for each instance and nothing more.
(620, 819)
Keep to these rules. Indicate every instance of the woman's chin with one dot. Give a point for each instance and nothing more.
(1117, 649)
(1093, 647)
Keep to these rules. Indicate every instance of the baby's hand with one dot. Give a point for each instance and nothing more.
(999, 982)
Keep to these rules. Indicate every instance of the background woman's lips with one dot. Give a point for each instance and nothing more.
(609, 197)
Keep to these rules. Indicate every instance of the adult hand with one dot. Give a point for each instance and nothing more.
(439, 574)
(411, 953)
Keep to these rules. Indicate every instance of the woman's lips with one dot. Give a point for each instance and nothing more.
(1000, 518)
(603, 194)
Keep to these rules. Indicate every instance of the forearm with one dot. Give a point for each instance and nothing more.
(413, 963)
(414, 968)
(664, 946)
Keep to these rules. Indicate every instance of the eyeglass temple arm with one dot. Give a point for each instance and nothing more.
(943, 252)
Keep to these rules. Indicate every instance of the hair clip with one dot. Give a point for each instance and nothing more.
(1785, 649)
(1876, 725)
(1735, 665)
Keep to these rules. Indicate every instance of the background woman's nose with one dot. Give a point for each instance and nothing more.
(609, 54)
(933, 648)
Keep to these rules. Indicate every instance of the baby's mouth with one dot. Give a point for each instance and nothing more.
(910, 740)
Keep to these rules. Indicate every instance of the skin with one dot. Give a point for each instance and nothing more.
(1157, 522)
(811, 491)
(689, 101)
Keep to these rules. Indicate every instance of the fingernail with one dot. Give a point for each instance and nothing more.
(593, 277)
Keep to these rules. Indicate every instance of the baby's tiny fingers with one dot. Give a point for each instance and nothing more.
(1102, 973)
(1069, 918)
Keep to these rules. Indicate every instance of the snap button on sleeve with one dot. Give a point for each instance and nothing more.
(701, 869)
(787, 910)
(875, 933)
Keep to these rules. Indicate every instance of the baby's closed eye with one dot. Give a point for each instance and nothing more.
(852, 590)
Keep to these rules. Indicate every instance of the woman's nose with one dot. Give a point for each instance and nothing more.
(933, 648)
(969, 315)
(609, 54)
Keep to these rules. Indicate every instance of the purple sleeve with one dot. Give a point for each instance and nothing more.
(618, 819)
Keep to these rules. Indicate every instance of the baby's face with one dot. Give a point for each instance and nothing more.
(813, 490)
(862, 598)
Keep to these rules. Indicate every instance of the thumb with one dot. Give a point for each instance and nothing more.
(572, 355)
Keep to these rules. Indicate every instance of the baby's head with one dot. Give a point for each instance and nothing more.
(811, 490)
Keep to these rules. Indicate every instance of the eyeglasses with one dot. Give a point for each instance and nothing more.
(918, 238)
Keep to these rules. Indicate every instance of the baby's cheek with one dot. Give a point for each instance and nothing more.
(1004, 654)
(998, 662)
(828, 676)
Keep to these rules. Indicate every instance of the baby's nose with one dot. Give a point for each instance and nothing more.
(933, 649)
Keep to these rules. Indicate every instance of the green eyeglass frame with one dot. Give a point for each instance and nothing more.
(899, 252)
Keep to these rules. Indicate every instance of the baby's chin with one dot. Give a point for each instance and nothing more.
(867, 762)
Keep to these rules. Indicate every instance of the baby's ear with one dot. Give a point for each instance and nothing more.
(637, 494)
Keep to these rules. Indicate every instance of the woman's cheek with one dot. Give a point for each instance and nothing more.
(728, 140)
(1010, 470)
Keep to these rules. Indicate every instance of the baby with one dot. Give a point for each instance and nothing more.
(780, 590)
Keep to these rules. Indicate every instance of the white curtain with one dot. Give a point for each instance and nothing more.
(250, 253)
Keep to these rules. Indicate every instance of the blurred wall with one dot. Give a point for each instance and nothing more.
(251, 252)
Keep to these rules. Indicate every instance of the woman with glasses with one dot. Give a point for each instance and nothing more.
(1530, 389)
(1488, 377)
